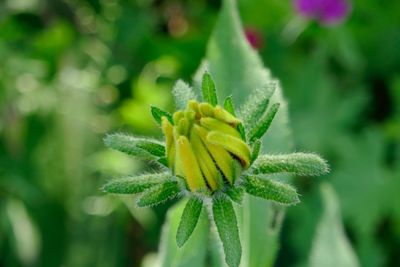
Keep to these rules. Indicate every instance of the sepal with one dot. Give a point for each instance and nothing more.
(270, 190)
(303, 164)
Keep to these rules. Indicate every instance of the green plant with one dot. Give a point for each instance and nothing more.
(211, 156)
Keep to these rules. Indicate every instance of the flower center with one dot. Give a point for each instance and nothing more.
(204, 146)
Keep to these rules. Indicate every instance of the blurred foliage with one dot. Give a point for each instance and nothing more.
(73, 70)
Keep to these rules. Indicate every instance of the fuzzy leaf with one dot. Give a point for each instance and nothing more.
(263, 124)
(255, 150)
(145, 148)
(182, 93)
(297, 163)
(331, 247)
(159, 113)
(271, 190)
(208, 90)
(159, 194)
(135, 184)
(225, 220)
(189, 219)
(256, 105)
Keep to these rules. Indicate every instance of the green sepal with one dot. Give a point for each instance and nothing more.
(256, 105)
(182, 94)
(263, 124)
(225, 220)
(159, 113)
(135, 184)
(145, 148)
(189, 219)
(228, 106)
(208, 90)
(303, 164)
(159, 194)
(271, 190)
(255, 151)
(235, 193)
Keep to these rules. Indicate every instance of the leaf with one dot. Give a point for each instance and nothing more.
(135, 184)
(159, 113)
(193, 253)
(144, 148)
(297, 163)
(225, 220)
(271, 190)
(331, 247)
(263, 124)
(208, 90)
(189, 219)
(182, 93)
(159, 194)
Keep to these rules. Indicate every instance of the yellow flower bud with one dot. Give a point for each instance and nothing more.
(204, 146)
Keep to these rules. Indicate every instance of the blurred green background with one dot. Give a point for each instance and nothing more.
(73, 70)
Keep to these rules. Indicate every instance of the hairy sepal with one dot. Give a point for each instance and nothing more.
(135, 184)
(158, 113)
(189, 220)
(225, 220)
(208, 90)
(182, 93)
(270, 190)
(145, 148)
(263, 124)
(302, 164)
(159, 194)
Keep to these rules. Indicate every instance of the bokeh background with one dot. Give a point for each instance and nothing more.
(73, 70)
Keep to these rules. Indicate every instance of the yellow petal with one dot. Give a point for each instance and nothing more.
(223, 115)
(234, 145)
(212, 124)
(189, 165)
(218, 153)
(205, 161)
(206, 110)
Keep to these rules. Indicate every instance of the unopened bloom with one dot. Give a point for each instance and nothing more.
(324, 11)
(204, 146)
(210, 153)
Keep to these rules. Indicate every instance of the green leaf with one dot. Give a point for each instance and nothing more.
(193, 253)
(145, 148)
(135, 184)
(159, 113)
(331, 247)
(182, 94)
(256, 105)
(255, 150)
(189, 219)
(271, 190)
(297, 163)
(225, 220)
(159, 194)
(228, 105)
(263, 124)
(208, 90)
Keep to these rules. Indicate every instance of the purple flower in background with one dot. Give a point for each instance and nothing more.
(325, 11)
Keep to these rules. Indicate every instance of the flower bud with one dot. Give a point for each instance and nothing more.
(204, 146)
